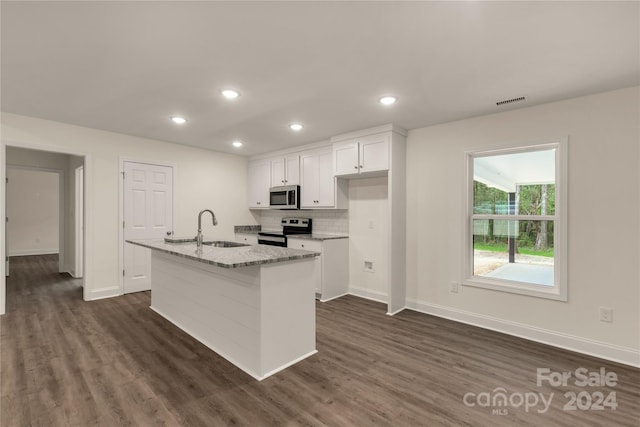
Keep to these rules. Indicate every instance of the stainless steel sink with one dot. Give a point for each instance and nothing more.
(215, 243)
(223, 244)
(184, 240)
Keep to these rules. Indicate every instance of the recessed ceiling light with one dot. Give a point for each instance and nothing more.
(387, 100)
(237, 144)
(230, 93)
(295, 126)
(178, 120)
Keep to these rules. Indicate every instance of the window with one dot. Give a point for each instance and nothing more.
(515, 227)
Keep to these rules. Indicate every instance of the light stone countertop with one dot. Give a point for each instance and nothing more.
(235, 257)
(313, 236)
(249, 232)
(316, 236)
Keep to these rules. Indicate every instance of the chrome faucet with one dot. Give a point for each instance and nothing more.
(199, 235)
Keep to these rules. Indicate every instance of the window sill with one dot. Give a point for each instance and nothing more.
(520, 288)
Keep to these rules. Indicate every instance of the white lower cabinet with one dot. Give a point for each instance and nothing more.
(249, 239)
(331, 267)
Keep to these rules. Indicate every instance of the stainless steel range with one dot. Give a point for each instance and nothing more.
(289, 226)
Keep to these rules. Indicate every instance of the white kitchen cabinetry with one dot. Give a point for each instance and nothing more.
(249, 239)
(285, 171)
(331, 267)
(365, 155)
(379, 151)
(259, 181)
(319, 188)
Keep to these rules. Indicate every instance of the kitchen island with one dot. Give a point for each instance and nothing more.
(253, 305)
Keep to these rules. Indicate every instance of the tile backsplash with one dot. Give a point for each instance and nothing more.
(323, 222)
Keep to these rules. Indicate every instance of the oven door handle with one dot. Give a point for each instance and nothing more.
(272, 240)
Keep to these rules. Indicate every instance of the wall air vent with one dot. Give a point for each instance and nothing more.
(510, 101)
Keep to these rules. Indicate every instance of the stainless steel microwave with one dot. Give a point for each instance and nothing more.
(284, 197)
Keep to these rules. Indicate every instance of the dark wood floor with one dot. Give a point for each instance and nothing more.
(114, 362)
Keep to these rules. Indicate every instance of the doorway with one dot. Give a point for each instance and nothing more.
(64, 163)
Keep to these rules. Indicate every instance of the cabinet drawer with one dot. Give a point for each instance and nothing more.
(308, 245)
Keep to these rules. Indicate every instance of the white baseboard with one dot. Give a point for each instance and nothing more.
(332, 298)
(102, 293)
(28, 252)
(614, 353)
(368, 294)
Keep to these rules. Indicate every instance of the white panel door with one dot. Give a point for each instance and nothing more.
(148, 214)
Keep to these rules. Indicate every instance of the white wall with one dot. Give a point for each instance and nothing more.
(33, 209)
(603, 221)
(203, 179)
(45, 160)
(369, 237)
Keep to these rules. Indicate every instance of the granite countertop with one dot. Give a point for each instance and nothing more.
(234, 257)
(316, 236)
(247, 229)
(254, 231)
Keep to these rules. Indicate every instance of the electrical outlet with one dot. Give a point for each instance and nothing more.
(368, 266)
(454, 287)
(606, 314)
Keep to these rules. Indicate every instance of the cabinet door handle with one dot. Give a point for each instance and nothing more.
(355, 167)
(361, 166)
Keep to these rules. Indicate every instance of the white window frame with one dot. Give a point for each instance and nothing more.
(559, 290)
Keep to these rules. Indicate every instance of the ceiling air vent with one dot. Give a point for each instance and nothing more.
(510, 101)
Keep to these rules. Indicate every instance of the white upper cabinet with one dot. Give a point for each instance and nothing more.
(317, 184)
(346, 157)
(285, 171)
(362, 155)
(259, 181)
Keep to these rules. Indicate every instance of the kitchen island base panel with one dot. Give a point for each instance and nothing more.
(261, 318)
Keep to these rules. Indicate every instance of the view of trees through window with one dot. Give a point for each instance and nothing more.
(513, 215)
(534, 237)
(516, 222)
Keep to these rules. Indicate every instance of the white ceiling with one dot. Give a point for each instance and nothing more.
(128, 66)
